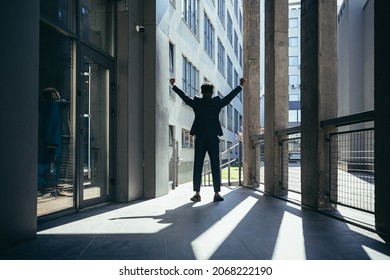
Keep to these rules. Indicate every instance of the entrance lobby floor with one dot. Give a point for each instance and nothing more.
(248, 225)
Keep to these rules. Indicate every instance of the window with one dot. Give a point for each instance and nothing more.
(236, 44)
(293, 80)
(230, 117)
(222, 145)
(229, 145)
(171, 67)
(236, 82)
(221, 11)
(293, 97)
(293, 22)
(97, 24)
(293, 41)
(56, 76)
(221, 58)
(229, 30)
(209, 37)
(229, 72)
(240, 21)
(60, 12)
(171, 135)
(294, 116)
(293, 61)
(190, 14)
(236, 120)
(190, 78)
(240, 56)
(222, 114)
(236, 8)
(187, 140)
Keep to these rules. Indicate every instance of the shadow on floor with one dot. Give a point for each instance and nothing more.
(246, 226)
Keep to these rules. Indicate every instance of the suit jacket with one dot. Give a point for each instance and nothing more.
(207, 111)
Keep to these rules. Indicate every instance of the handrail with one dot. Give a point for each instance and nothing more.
(228, 163)
(228, 149)
(290, 130)
(350, 119)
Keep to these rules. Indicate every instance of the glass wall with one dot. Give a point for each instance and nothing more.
(65, 167)
(97, 24)
(56, 121)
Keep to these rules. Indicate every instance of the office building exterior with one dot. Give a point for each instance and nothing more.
(355, 27)
(205, 44)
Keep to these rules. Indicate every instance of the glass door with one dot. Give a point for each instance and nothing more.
(95, 140)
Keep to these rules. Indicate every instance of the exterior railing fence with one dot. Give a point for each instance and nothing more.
(227, 164)
(291, 169)
(351, 161)
(352, 180)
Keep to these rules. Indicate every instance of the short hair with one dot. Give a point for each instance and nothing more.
(207, 87)
(50, 93)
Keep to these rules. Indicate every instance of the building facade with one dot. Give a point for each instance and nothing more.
(294, 64)
(205, 44)
(356, 56)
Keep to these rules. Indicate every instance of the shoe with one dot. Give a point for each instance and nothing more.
(218, 198)
(196, 198)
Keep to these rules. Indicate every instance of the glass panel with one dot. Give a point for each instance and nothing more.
(56, 122)
(95, 142)
(60, 12)
(97, 23)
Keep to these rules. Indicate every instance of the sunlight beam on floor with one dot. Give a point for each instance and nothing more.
(290, 243)
(374, 254)
(208, 242)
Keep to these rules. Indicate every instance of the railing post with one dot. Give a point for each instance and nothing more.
(229, 165)
(209, 173)
(239, 162)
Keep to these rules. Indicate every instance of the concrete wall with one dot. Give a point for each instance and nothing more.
(18, 120)
(355, 57)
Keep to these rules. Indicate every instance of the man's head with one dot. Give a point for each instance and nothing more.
(207, 89)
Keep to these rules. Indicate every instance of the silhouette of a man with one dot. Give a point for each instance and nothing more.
(206, 128)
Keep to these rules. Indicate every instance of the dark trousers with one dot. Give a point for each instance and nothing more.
(211, 146)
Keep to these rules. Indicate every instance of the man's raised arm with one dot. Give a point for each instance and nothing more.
(228, 98)
(181, 93)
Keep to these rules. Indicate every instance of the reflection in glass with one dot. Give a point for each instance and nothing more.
(60, 12)
(96, 129)
(56, 122)
(97, 22)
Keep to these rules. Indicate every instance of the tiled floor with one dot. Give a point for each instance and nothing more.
(246, 226)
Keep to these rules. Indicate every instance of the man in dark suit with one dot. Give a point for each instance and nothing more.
(206, 129)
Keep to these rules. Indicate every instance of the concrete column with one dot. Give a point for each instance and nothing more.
(130, 100)
(276, 90)
(382, 117)
(156, 124)
(19, 26)
(251, 106)
(318, 97)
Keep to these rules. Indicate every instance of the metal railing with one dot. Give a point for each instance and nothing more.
(351, 157)
(258, 154)
(291, 170)
(351, 160)
(228, 163)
